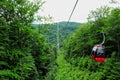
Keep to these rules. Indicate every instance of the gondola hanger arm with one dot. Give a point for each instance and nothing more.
(103, 34)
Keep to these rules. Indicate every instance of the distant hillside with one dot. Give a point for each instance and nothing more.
(64, 31)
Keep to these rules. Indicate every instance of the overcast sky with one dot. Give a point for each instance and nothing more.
(60, 10)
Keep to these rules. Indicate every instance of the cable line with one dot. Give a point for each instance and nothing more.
(58, 43)
(72, 12)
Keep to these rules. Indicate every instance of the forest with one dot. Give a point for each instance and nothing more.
(30, 53)
(50, 30)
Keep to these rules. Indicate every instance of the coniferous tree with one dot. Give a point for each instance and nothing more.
(19, 41)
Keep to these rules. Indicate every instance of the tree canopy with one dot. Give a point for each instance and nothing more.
(26, 53)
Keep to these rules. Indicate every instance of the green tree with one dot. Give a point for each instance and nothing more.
(113, 27)
(22, 47)
(75, 65)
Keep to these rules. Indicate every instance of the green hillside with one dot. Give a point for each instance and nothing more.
(29, 52)
(74, 61)
(50, 31)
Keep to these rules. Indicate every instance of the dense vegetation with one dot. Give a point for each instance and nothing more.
(24, 54)
(27, 53)
(51, 31)
(74, 61)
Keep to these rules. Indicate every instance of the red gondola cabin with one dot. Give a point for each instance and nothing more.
(98, 53)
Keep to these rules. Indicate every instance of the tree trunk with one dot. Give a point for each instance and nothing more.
(118, 48)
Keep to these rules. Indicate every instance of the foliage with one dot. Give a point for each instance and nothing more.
(74, 62)
(50, 31)
(24, 53)
(86, 69)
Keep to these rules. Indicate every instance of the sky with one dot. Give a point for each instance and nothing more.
(60, 10)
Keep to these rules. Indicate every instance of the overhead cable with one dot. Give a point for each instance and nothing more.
(72, 12)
